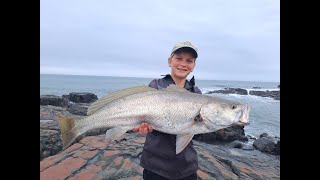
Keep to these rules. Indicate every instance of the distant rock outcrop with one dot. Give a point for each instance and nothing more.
(53, 100)
(230, 91)
(273, 94)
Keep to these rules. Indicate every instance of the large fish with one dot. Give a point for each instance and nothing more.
(173, 110)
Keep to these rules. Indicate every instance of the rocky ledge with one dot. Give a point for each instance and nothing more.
(90, 158)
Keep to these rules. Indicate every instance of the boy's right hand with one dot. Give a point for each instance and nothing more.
(143, 128)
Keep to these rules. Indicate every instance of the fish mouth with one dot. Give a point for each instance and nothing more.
(242, 117)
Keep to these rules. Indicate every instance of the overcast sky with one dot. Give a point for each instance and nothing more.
(237, 39)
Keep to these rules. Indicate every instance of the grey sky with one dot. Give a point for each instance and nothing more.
(237, 40)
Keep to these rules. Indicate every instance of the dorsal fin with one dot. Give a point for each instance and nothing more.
(175, 88)
(116, 95)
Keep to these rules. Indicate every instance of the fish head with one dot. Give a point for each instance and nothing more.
(222, 114)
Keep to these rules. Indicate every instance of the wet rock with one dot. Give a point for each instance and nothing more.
(267, 144)
(224, 135)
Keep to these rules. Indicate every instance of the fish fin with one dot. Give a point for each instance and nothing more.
(116, 95)
(115, 133)
(182, 141)
(175, 88)
(68, 131)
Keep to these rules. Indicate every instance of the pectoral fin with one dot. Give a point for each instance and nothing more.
(182, 141)
(115, 134)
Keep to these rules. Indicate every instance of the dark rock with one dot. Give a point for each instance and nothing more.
(277, 149)
(235, 144)
(81, 97)
(53, 100)
(265, 144)
(231, 91)
(224, 135)
(240, 145)
(78, 108)
(264, 135)
(273, 94)
(256, 87)
(50, 142)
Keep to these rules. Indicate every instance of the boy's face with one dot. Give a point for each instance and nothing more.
(181, 64)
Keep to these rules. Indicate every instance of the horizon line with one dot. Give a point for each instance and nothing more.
(156, 77)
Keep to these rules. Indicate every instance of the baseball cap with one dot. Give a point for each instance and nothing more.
(183, 44)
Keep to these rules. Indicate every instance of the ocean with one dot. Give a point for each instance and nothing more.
(264, 115)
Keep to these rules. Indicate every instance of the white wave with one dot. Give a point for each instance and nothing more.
(262, 90)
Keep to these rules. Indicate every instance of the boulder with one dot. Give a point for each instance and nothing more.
(267, 144)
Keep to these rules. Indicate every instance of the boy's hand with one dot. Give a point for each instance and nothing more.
(143, 128)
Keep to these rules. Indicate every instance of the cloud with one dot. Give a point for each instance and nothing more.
(237, 40)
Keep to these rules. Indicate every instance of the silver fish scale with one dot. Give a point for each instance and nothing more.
(169, 112)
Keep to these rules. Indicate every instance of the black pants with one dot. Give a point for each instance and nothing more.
(148, 175)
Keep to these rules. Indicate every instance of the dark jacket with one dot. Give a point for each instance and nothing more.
(159, 152)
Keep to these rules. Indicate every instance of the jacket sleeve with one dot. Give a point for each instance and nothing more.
(153, 84)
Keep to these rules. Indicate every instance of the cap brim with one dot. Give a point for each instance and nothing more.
(193, 51)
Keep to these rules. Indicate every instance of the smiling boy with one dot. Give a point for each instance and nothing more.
(159, 158)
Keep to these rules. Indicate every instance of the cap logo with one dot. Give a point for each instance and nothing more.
(187, 43)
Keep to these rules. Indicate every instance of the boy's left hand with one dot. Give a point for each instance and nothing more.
(143, 128)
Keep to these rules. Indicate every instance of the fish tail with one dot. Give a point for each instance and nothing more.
(68, 131)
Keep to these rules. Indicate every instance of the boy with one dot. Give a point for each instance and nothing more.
(159, 158)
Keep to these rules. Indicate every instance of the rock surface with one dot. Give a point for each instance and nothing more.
(50, 142)
(90, 158)
(53, 100)
(81, 97)
(78, 108)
